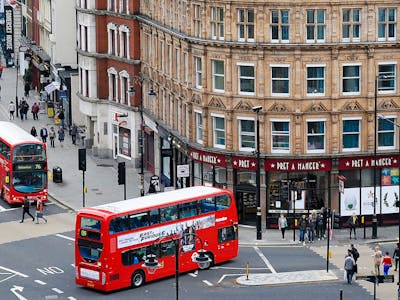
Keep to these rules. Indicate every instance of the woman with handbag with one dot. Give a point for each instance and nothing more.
(40, 211)
(282, 224)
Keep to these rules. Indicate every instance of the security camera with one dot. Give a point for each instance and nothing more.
(257, 108)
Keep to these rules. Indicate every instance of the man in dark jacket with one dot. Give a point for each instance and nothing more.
(25, 210)
(302, 227)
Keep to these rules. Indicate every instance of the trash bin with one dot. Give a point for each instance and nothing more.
(57, 175)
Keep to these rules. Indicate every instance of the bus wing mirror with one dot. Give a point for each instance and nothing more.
(7, 179)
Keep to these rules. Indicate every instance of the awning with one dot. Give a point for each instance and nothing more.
(51, 87)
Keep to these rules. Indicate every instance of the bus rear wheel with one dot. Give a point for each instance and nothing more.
(138, 279)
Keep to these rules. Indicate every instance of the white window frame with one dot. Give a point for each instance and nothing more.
(111, 4)
(359, 134)
(114, 72)
(198, 76)
(243, 64)
(307, 79)
(124, 90)
(215, 75)
(280, 25)
(123, 9)
(351, 23)
(214, 116)
(278, 120)
(315, 39)
(387, 23)
(390, 63)
(395, 129)
(199, 126)
(124, 45)
(112, 29)
(316, 134)
(288, 79)
(246, 24)
(240, 133)
(217, 25)
(359, 65)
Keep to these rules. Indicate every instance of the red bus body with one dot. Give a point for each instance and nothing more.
(108, 253)
(23, 165)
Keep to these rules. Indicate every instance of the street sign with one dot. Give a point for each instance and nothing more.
(378, 279)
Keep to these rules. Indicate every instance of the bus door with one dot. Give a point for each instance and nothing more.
(227, 238)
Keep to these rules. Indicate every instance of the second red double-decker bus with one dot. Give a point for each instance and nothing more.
(23, 165)
(113, 240)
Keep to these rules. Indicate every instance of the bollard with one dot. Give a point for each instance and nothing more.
(247, 271)
(341, 295)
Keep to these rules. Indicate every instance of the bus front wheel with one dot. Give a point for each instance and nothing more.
(211, 256)
(138, 279)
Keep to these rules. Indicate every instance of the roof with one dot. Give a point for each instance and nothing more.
(159, 199)
(14, 134)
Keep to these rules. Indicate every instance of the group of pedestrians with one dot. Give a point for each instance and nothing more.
(313, 227)
(51, 134)
(39, 210)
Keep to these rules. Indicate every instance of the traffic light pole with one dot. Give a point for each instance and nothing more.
(122, 176)
(83, 188)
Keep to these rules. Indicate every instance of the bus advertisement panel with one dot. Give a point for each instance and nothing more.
(23, 165)
(113, 240)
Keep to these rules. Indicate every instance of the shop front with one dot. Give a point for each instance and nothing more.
(359, 187)
(296, 187)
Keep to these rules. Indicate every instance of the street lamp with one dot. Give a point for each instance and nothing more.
(201, 257)
(257, 110)
(138, 79)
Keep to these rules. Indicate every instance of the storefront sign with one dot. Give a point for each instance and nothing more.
(239, 162)
(9, 28)
(298, 165)
(208, 158)
(351, 163)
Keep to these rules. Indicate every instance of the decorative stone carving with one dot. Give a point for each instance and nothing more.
(196, 98)
(317, 107)
(352, 106)
(216, 102)
(389, 104)
(278, 107)
(243, 105)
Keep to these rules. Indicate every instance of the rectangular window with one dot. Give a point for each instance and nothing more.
(280, 136)
(247, 139)
(218, 75)
(351, 23)
(217, 23)
(386, 133)
(199, 127)
(351, 135)
(219, 132)
(246, 79)
(351, 79)
(316, 80)
(315, 25)
(280, 25)
(386, 78)
(315, 136)
(246, 25)
(196, 20)
(198, 70)
(280, 80)
(386, 24)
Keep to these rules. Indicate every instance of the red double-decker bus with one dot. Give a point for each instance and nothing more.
(23, 165)
(112, 240)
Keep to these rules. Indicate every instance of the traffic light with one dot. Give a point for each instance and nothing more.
(82, 159)
(397, 203)
(336, 221)
(121, 173)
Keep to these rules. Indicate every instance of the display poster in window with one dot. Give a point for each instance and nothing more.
(125, 141)
(299, 198)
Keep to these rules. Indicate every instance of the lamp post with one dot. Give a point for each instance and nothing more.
(374, 219)
(138, 79)
(257, 109)
(202, 259)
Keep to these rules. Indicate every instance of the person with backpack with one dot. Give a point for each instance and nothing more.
(356, 255)
(349, 264)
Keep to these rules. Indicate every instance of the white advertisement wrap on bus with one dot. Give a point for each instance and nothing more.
(350, 200)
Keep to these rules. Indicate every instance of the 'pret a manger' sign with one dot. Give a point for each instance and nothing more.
(351, 163)
(208, 157)
(298, 165)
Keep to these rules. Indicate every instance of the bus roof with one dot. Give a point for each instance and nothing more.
(159, 199)
(13, 134)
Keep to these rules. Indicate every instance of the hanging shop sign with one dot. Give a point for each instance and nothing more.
(244, 163)
(298, 165)
(208, 157)
(9, 28)
(352, 163)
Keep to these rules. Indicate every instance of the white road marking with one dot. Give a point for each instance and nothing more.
(228, 275)
(192, 274)
(40, 282)
(207, 282)
(13, 272)
(264, 259)
(58, 291)
(71, 298)
(65, 237)
(233, 268)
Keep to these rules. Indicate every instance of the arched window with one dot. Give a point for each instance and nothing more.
(112, 38)
(112, 84)
(124, 84)
(124, 35)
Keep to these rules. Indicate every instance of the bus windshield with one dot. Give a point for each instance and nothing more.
(29, 152)
(29, 181)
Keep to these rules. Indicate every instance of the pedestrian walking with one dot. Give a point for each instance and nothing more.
(349, 264)
(324, 212)
(33, 131)
(25, 210)
(61, 116)
(352, 222)
(312, 221)
(354, 252)
(387, 263)
(11, 109)
(40, 211)
(61, 135)
(377, 260)
(74, 132)
(320, 227)
(21, 112)
(302, 228)
(282, 224)
(25, 109)
(396, 255)
(35, 111)
(26, 89)
(52, 136)
(43, 134)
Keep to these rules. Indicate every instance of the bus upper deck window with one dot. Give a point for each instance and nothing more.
(223, 202)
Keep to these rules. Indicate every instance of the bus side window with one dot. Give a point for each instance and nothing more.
(187, 210)
(169, 213)
(227, 234)
(223, 202)
(154, 216)
(207, 205)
